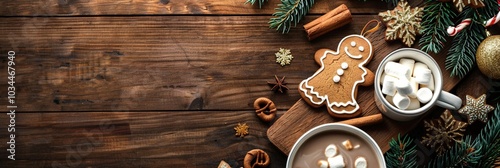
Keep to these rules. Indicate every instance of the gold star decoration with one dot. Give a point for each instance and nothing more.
(402, 23)
(280, 85)
(241, 129)
(476, 109)
(442, 133)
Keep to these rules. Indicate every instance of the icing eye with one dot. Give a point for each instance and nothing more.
(361, 48)
(353, 43)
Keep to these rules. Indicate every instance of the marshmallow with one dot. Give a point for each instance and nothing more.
(403, 86)
(336, 162)
(389, 99)
(414, 87)
(423, 76)
(347, 144)
(410, 63)
(397, 70)
(388, 86)
(414, 104)
(331, 150)
(360, 162)
(401, 101)
(430, 85)
(424, 95)
(417, 66)
(322, 164)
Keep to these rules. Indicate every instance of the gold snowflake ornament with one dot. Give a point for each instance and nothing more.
(461, 4)
(402, 23)
(476, 109)
(241, 129)
(283, 56)
(442, 133)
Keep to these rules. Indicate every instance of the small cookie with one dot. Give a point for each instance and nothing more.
(336, 83)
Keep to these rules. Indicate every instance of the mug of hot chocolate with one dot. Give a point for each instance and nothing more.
(408, 82)
(335, 145)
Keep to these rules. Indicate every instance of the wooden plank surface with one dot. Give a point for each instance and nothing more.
(149, 139)
(164, 82)
(168, 7)
(155, 63)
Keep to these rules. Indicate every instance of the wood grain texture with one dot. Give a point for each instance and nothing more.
(171, 7)
(302, 117)
(136, 139)
(155, 63)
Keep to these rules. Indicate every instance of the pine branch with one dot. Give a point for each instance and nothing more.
(436, 18)
(253, 2)
(288, 12)
(489, 137)
(463, 154)
(493, 94)
(481, 152)
(462, 54)
(402, 153)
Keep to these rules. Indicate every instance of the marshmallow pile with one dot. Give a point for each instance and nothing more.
(407, 84)
(336, 160)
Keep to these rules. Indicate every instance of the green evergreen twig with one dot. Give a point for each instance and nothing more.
(481, 152)
(253, 2)
(288, 12)
(436, 18)
(402, 153)
(462, 54)
(490, 138)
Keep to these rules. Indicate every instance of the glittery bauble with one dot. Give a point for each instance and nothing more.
(488, 57)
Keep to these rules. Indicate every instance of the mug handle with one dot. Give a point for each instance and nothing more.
(449, 101)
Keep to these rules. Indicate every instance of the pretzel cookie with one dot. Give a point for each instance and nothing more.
(335, 83)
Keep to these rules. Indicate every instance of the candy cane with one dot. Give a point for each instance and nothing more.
(452, 31)
(492, 21)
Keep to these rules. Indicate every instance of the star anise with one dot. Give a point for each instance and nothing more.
(279, 85)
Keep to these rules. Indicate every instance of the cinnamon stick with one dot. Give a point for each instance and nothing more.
(363, 121)
(334, 19)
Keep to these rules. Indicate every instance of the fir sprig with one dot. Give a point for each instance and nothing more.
(402, 153)
(288, 12)
(463, 154)
(478, 153)
(490, 137)
(462, 54)
(253, 2)
(436, 18)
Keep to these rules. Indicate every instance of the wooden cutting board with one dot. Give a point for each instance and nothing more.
(301, 117)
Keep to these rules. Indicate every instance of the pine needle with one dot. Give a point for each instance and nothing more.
(289, 12)
(402, 153)
(437, 17)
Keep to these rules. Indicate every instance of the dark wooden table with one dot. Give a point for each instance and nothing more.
(154, 83)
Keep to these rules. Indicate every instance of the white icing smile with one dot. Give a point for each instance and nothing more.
(351, 55)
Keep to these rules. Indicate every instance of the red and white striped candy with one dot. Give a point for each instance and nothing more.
(492, 21)
(452, 31)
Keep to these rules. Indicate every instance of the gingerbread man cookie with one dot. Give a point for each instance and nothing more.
(336, 82)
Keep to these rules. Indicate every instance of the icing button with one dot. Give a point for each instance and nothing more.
(353, 43)
(344, 65)
(336, 79)
(361, 48)
(340, 72)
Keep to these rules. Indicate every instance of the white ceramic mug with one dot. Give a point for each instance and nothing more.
(441, 98)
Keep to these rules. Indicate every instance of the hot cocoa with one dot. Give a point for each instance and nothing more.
(349, 146)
